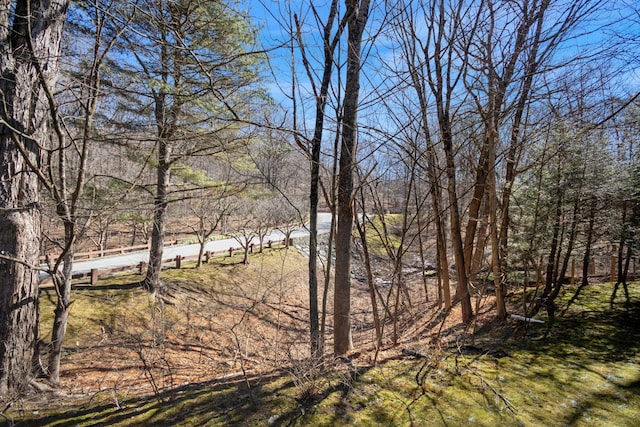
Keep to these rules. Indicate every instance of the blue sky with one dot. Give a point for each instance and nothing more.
(615, 22)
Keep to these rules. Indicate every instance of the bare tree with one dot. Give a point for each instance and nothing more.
(66, 168)
(436, 66)
(331, 31)
(286, 216)
(417, 125)
(209, 207)
(254, 221)
(358, 15)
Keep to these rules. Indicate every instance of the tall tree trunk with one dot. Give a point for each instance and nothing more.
(330, 198)
(438, 211)
(30, 32)
(67, 199)
(327, 277)
(61, 313)
(165, 115)
(20, 240)
(442, 87)
(586, 258)
(516, 143)
(496, 262)
(330, 43)
(444, 290)
(475, 205)
(314, 326)
(342, 293)
(462, 289)
(358, 12)
(362, 232)
(480, 246)
(420, 230)
(152, 278)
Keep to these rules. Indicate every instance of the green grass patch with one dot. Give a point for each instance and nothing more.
(94, 308)
(380, 241)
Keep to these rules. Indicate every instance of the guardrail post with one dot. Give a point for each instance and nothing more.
(178, 262)
(251, 248)
(94, 276)
(230, 252)
(613, 267)
(207, 255)
(142, 267)
(573, 271)
(269, 243)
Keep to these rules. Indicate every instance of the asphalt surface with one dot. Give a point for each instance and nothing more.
(132, 259)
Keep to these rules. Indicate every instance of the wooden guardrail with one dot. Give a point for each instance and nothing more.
(605, 267)
(98, 253)
(94, 274)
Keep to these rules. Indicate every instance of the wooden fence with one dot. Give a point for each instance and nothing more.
(602, 268)
(99, 253)
(605, 267)
(94, 274)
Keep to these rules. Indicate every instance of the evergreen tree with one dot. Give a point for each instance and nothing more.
(185, 77)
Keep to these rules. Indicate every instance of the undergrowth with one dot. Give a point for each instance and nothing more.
(581, 370)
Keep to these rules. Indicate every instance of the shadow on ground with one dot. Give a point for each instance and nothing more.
(266, 399)
(559, 376)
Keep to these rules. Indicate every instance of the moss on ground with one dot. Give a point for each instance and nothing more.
(580, 371)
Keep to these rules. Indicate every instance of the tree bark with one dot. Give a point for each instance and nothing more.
(358, 12)
(586, 258)
(165, 115)
(30, 32)
(516, 144)
(362, 232)
(61, 313)
(462, 289)
(152, 278)
(330, 43)
(496, 261)
(19, 239)
(442, 86)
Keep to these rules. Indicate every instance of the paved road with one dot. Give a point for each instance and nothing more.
(134, 258)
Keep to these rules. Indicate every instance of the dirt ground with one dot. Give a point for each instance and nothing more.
(229, 320)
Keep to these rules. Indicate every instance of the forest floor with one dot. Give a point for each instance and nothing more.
(228, 345)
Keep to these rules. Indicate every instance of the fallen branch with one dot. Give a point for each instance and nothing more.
(526, 319)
